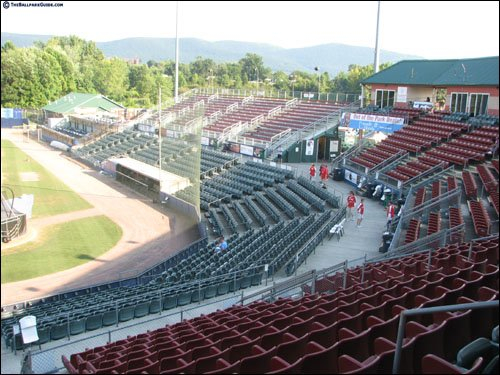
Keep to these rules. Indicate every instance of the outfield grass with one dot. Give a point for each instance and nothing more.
(60, 247)
(52, 197)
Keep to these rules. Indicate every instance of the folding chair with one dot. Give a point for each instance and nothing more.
(28, 330)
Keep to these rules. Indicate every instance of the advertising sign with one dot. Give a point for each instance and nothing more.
(310, 147)
(384, 124)
(246, 150)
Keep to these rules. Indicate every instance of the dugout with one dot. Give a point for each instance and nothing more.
(145, 179)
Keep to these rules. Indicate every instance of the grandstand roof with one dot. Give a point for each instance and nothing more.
(74, 100)
(459, 72)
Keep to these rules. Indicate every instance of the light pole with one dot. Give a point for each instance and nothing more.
(257, 73)
(292, 79)
(176, 87)
(319, 80)
(159, 143)
(210, 79)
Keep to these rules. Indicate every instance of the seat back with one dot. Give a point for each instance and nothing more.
(27, 325)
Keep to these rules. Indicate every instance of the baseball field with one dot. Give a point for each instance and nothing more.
(55, 247)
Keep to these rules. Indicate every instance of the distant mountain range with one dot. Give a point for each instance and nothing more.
(332, 58)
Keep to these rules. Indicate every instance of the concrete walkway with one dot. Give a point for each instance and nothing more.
(356, 242)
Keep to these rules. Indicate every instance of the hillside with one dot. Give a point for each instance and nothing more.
(332, 58)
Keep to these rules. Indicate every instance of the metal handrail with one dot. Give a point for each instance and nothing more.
(431, 310)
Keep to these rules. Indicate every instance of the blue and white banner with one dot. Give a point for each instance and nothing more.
(364, 121)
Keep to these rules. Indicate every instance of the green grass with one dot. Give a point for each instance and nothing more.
(52, 197)
(60, 247)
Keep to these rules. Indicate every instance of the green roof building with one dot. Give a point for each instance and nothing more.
(459, 85)
(77, 103)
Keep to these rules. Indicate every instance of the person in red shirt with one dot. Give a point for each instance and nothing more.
(324, 174)
(312, 172)
(361, 211)
(351, 202)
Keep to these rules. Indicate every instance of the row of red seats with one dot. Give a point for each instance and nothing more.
(413, 231)
(456, 217)
(452, 183)
(296, 118)
(476, 147)
(410, 172)
(431, 161)
(477, 139)
(486, 132)
(470, 185)
(388, 148)
(400, 145)
(411, 139)
(444, 132)
(493, 197)
(444, 259)
(489, 182)
(312, 334)
(446, 156)
(381, 153)
(439, 134)
(363, 162)
(434, 223)
(446, 123)
(470, 154)
(416, 164)
(480, 218)
(397, 175)
(436, 189)
(420, 196)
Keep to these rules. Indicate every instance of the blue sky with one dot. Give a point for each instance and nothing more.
(433, 30)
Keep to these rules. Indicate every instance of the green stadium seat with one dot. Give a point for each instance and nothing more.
(77, 326)
(184, 298)
(43, 335)
(109, 318)
(141, 309)
(126, 313)
(58, 331)
(170, 302)
(155, 306)
(93, 322)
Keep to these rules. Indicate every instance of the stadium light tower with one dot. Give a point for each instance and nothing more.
(377, 49)
(257, 73)
(159, 142)
(292, 80)
(176, 93)
(316, 68)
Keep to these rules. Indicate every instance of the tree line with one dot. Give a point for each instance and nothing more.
(34, 76)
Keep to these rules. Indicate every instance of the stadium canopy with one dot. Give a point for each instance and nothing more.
(73, 102)
(458, 72)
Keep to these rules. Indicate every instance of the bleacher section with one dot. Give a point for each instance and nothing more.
(294, 119)
(205, 273)
(352, 330)
(427, 144)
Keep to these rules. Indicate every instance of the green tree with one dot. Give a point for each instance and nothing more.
(111, 78)
(252, 67)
